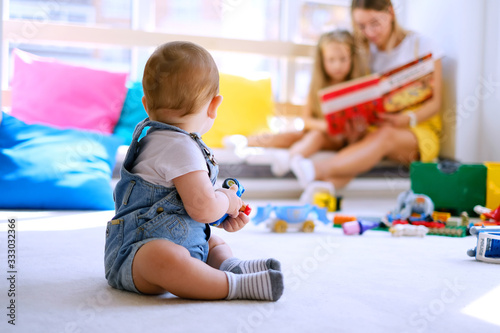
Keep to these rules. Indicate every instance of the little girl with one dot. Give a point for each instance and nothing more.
(404, 137)
(335, 62)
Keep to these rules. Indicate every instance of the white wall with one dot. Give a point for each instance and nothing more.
(490, 121)
(470, 36)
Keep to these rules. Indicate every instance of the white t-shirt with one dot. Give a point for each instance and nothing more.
(165, 155)
(406, 51)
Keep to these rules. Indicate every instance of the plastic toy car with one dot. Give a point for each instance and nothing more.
(228, 182)
(293, 217)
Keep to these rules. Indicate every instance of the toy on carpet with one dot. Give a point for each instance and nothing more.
(488, 216)
(488, 244)
(359, 226)
(227, 183)
(460, 221)
(290, 216)
(411, 206)
(408, 230)
(418, 209)
(339, 219)
(321, 194)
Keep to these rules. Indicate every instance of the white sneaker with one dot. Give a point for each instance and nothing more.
(303, 169)
(235, 142)
(281, 163)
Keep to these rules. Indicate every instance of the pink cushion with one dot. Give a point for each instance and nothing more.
(47, 91)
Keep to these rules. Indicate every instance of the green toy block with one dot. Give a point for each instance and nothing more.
(449, 231)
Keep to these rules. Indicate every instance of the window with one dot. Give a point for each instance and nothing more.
(317, 17)
(113, 13)
(240, 19)
(292, 22)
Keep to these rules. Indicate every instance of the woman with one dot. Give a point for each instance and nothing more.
(405, 136)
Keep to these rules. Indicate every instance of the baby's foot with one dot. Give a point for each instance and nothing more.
(267, 285)
(238, 266)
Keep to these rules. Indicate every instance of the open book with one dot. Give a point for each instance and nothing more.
(399, 89)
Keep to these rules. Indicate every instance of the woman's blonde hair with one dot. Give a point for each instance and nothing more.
(320, 78)
(362, 44)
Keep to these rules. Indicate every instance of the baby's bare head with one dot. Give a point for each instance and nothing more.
(179, 78)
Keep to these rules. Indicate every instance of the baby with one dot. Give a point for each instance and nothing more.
(159, 240)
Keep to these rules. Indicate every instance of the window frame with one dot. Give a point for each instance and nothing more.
(139, 37)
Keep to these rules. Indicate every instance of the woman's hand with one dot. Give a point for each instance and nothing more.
(400, 120)
(355, 129)
(231, 224)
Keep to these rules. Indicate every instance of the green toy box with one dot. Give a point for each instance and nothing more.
(453, 187)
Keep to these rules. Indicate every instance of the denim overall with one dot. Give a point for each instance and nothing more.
(145, 211)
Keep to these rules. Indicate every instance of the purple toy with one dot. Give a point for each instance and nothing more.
(358, 227)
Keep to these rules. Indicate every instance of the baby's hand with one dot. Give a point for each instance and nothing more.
(235, 202)
(231, 224)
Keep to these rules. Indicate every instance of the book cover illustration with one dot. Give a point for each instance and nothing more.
(402, 88)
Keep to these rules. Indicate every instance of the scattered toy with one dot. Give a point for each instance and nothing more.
(295, 217)
(488, 244)
(408, 230)
(358, 227)
(412, 206)
(321, 194)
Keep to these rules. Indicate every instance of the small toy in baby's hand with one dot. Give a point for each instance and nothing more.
(228, 182)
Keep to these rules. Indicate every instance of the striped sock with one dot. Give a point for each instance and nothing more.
(267, 285)
(237, 266)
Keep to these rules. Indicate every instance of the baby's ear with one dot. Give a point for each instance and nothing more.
(214, 104)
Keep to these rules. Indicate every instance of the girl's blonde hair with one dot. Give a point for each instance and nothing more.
(320, 78)
(362, 44)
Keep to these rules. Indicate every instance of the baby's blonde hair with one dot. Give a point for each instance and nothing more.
(362, 44)
(320, 78)
(179, 78)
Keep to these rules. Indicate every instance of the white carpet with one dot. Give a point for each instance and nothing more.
(334, 283)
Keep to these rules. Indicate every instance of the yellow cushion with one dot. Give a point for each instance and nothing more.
(245, 108)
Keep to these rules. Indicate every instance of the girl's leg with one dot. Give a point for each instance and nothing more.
(161, 266)
(339, 182)
(307, 143)
(395, 143)
(310, 143)
(281, 140)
